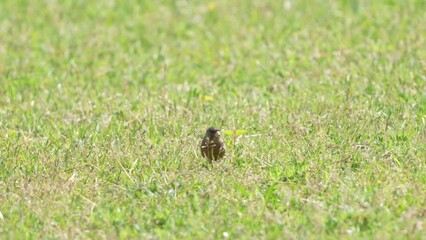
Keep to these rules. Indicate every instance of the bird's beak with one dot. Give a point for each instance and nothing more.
(217, 134)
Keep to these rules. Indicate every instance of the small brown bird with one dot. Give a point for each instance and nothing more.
(212, 147)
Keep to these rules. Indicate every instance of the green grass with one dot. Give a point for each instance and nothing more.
(103, 105)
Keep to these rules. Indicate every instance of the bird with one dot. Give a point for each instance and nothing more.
(212, 147)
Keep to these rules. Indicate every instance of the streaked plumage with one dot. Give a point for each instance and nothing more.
(212, 147)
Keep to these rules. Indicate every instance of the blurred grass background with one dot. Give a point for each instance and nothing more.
(103, 105)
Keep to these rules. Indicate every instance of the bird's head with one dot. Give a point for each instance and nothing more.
(213, 133)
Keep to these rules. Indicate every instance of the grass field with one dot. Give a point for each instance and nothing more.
(103, 105)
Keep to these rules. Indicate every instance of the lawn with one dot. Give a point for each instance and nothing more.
(103, 106)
